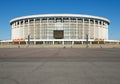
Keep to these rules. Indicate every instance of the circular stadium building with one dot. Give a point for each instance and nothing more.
(59, 29)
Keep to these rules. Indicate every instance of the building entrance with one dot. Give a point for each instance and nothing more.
(58, 34)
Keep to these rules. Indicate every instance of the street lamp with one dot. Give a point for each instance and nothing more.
(28, 39)
(87, 41)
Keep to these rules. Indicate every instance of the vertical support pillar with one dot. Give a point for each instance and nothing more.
(94, 31)
(28, 36)
(19, 42)
(104, 42)
(23, 29)
(90, 42)
(40, 28)
(102, 31)
(76, 28)
(34, 42)
(19, 36)
(34, 33)
(44, 30)
(43, 42)
(13, 31)
(63, 42)
(28, 26)
(106, 31)
(54, 22)
(26, 42)
(16, 32)
(53, 42)
(89, 30)
(47, 30)
(72, 42)
(69, 28)
(98, 31)
(83, 29)
(82, 42)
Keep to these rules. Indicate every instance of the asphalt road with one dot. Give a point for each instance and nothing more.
(59, 66)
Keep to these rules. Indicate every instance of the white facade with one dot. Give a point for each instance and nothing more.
(75, 27)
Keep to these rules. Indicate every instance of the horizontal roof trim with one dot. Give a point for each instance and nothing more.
(59, 15)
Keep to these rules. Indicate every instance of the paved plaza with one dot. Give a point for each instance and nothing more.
(59, 66)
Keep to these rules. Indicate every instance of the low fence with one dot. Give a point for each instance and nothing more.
(61, 46)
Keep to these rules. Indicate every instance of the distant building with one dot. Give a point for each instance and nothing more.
(60, 28)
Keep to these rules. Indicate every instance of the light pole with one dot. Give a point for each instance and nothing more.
(28, 39)
(87, 41)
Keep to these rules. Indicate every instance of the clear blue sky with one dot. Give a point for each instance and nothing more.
(10, 9)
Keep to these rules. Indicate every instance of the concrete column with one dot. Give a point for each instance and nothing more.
(82, 42)
(13, 25)
(76, 28)
(47, 32)
(16, 32)
(53, 42)
(19, 36)
(107, 31)
(90, 42)
(54, 19)
(16, 24)
(63, 42)
(40, 28)
(26, 42)
(98, 31)
(28, 27)
(43, 42)
(13, 30)
(94, 31)
(19, 43)
(102, 31)
(83, 29)
(69, 28)
(23, 29)
(34, 42)
(72, 42)
(89, 30)
(34, 31)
